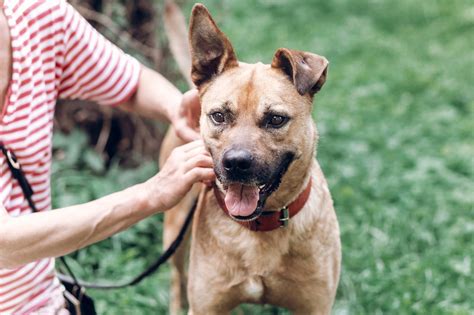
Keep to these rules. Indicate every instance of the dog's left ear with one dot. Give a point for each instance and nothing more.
(307, 71)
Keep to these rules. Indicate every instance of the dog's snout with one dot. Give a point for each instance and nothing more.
(237, 160)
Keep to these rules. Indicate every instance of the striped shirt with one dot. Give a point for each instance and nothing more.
(55, 54)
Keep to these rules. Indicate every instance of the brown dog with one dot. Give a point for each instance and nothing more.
(267, 233)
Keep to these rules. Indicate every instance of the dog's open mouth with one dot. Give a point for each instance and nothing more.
(246, 202)
(241, 200)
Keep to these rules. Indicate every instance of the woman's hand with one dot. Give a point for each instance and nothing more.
(187, 164)
(185, 119)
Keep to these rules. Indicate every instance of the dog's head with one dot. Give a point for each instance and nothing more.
(256, 118)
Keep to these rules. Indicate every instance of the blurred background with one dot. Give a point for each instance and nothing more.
(397, 147)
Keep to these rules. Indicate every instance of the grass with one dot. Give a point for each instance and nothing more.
(396, 123)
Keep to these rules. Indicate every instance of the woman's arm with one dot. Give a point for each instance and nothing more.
(94, 69)
(158, 99)
(55, 233)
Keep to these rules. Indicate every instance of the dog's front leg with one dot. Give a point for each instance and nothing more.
(178, 299)
(315, 305)
(208, 289)
(174, 220)
(318, 311)
(206, 301)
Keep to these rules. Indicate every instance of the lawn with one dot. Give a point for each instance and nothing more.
(397, 147)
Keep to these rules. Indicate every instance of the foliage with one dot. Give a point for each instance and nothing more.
(396, 124)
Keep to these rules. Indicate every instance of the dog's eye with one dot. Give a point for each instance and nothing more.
(276, 121)
(217, 118)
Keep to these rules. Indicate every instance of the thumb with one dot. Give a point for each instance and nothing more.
(191, 108)
(187, 134)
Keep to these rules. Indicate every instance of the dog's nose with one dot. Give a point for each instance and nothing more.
(237, 160)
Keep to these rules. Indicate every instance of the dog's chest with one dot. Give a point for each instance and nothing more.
(256, 263)
(253, 289)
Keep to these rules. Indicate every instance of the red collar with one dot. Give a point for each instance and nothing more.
(270, 220)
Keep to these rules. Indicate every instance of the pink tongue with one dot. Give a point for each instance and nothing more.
(241, 200)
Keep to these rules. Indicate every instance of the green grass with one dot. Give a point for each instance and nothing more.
(397, 125)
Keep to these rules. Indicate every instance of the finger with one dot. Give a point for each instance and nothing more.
(191, 108)
(191, 98)
(191, 101)
(208, 183)
(202, 174)
(187, 134)
(194, 109)
(198, 161)
(188, 119)
(196, 151)
(191, 146)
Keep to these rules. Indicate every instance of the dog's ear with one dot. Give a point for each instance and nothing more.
(307, 71)
(211, 50)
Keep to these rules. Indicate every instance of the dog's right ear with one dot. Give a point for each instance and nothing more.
(211, 50)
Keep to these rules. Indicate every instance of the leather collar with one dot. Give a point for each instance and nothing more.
(270, 220)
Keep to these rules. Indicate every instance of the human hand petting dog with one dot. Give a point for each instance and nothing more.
(55, 233)
(156, 98)
(187, 164)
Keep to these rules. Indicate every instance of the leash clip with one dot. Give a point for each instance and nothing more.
(12, 159)
(284, 217)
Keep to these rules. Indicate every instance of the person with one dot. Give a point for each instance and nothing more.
(48, 51)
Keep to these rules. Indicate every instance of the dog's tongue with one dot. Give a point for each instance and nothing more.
(241, 200)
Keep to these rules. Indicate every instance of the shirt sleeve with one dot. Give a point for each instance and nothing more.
(93, 68)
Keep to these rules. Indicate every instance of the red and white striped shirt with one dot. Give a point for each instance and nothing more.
(55, 54)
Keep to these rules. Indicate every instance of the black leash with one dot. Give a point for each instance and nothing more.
(18, 174)
(150, 270)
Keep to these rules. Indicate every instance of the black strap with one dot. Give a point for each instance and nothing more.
(19, 175)
(17, 172)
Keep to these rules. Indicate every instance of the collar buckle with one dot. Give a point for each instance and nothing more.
(284, 217)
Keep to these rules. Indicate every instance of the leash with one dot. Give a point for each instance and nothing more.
(148, 271)
(17, 172)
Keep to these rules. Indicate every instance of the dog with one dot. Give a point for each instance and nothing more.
(267, 232)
